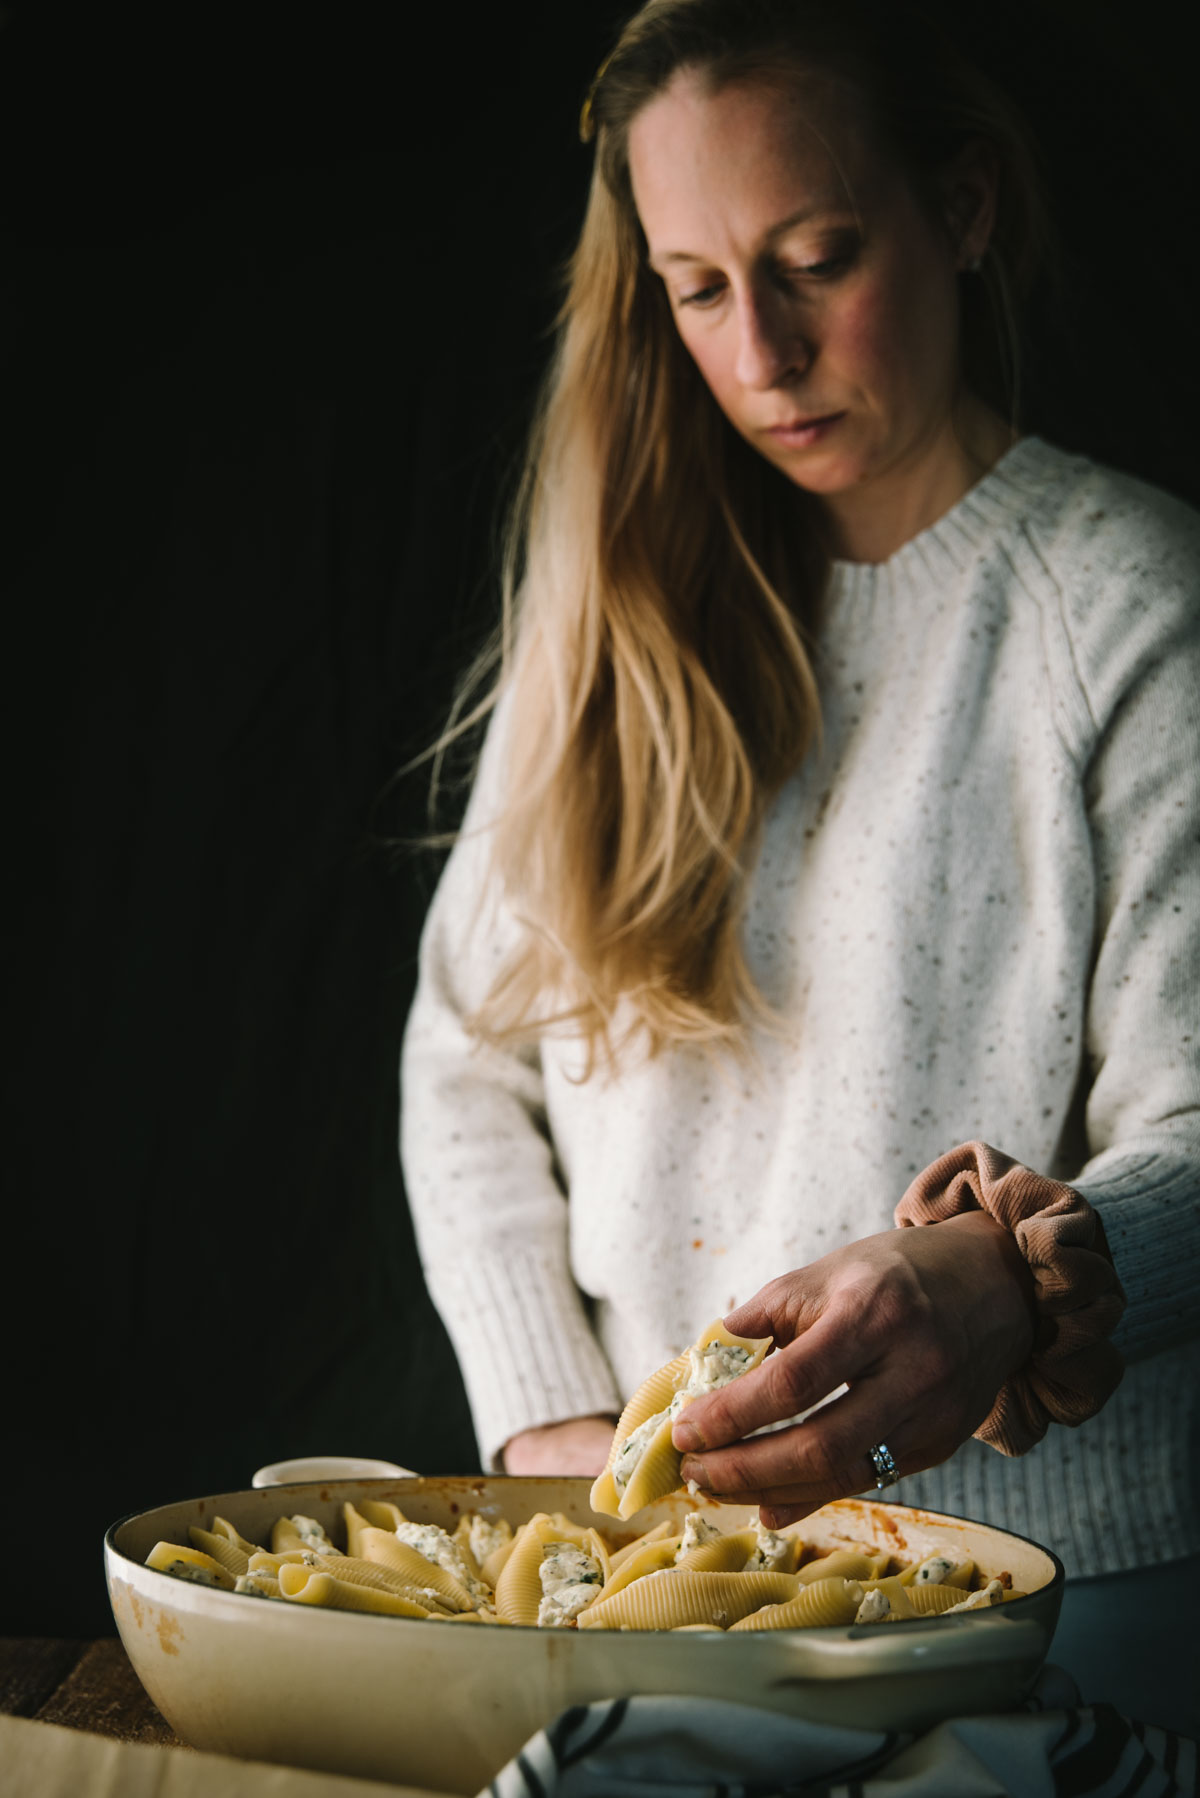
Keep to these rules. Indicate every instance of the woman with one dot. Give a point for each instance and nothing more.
(839, 809)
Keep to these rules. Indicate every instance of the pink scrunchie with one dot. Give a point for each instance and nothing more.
(1073, 1369)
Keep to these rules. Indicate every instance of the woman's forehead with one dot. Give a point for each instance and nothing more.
(749, 154)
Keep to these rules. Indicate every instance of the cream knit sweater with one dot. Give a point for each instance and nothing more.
(977, 910)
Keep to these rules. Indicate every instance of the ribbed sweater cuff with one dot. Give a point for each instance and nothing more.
(525, 1348)
(1149, 1200)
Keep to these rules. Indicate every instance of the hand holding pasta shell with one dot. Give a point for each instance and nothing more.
(923, 1325)
(643, 1462)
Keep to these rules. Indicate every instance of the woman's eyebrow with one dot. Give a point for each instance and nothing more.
(814, 209)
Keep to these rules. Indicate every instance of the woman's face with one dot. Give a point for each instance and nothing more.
(828, 339)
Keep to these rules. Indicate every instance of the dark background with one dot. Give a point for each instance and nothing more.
(274, 296)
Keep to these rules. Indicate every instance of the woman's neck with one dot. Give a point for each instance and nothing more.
(870, 525)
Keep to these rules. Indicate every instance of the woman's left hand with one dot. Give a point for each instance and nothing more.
(924, 1325)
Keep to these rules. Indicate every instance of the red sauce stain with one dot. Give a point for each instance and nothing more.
(699, 1243)
(135, 1606)
(454, 1507)
(170, 1634)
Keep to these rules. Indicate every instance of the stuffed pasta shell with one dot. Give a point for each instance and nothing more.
(643, 1463)
(554, 1571)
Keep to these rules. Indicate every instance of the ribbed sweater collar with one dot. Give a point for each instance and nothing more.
(993, 506)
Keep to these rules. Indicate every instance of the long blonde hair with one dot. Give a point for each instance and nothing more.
(662, 582)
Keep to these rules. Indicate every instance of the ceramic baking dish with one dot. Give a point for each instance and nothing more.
(445, 1705)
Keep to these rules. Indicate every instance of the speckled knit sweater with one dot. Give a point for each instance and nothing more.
(977, 910)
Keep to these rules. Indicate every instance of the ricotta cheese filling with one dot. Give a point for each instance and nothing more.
(696, 1531)
(771, 1554)
(570, 1578)
(993, 1593)
(874, 1608)
(708, 1369)
(200, 1576)
(431, 1541)
(253, 1583)
(313, 1536)
(636, 1444)
(934, 1571)
(714, 1366)
(486, 1537)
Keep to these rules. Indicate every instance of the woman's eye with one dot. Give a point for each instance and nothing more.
(823, 270)
(701, 296)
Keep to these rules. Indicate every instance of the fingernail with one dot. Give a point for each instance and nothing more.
(694, 1471)
(686, 1436)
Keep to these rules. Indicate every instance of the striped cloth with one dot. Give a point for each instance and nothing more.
(1051, 1747)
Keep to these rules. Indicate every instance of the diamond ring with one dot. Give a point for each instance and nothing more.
(886, 1471)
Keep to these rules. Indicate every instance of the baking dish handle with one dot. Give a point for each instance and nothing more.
(876, 1649)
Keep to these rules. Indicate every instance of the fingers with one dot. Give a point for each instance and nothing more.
(791, 1380)
(784, 1308)
(797, 1470)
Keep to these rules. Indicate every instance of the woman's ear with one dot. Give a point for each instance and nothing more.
(969, 183)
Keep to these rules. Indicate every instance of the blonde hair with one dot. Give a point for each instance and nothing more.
(661, 581)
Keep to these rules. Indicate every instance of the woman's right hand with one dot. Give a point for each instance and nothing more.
(578, 1446)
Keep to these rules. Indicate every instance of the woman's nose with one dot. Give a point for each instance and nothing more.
(770, 346)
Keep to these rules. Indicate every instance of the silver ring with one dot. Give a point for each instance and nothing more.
(886, 1471)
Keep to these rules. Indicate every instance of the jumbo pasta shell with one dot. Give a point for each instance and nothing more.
(819, 1605)
(355, 1523)
(285, 1536)
(621, 1555)
(164, 1557)
(233, 1559)
(723, 1554)
(716, 1332)
(843, 1563)
(383, 1548)
(656, 1473)
(651, 1558)
(519, 1588)
(657, 1469)
(496, 1562)
(311, 1585)
(896, 1592)
(678, 1596)
(930, 1600)
(960, 1574)
(382, 1513)
(462, 1541)
(358, 1572)
(265, 1585)
(652, 1396)
(222, 1527)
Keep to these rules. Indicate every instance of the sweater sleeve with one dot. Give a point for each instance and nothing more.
(488, 1206)
(1130, 636)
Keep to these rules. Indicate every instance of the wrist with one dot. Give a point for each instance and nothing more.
(540, 1448)
(1012, 1297)
(1072, 1368)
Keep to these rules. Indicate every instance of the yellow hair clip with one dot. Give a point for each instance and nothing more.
(587, 125)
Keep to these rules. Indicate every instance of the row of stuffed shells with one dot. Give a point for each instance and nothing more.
(702, 1579)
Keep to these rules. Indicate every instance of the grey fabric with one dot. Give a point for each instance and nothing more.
(700, 1748)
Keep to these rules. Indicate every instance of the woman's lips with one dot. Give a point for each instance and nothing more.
(799, 433)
